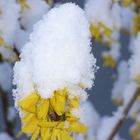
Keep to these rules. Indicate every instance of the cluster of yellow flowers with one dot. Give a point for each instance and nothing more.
(103, 34)
(51, 119)
(99, 30)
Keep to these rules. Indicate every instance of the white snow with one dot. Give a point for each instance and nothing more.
(58, 54)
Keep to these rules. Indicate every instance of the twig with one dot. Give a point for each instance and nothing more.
(8, 125)
(16, 52)
(124, 116)
(113, 1)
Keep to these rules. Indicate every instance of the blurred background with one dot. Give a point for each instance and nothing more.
(100, 95)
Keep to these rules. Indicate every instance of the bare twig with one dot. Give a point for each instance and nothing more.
(16, 52)
(8, 125)
(124, 115)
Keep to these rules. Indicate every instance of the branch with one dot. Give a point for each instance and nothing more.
(124, 116)
(8, 125)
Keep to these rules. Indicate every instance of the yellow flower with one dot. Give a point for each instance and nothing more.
(51, 119)
(2, 42)
(127, 3)
(95, 32)
(109, 61)
(117, 101)
(137, 78)
(58, 101)
(136, 24)
(98, 30)
(28, 104)
(135, 114)
(74, 103)
(24, 5)
(50, 2)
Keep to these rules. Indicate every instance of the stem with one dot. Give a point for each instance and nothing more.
(8, 126)
(124, 116)
(113, 1)
(16, 52)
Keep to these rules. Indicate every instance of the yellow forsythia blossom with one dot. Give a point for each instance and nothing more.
(136, 24)
(137, 78)
(109, 61)
(117, 101)
(127, 3)
(51, 119)
(50, 2)
(2, 42)
(24, 5)
(99, 30)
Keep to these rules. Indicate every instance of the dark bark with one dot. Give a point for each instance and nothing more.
(124, 115)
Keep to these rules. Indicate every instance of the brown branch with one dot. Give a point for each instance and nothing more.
(124, 115)
(113, 1)
(8, 125)
(16, 52)
(4, 106)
